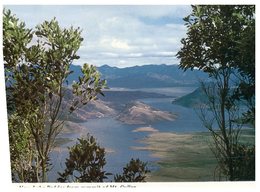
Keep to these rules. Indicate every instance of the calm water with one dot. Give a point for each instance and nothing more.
(118, 138)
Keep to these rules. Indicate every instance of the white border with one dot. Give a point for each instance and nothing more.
(125, 2)
(184, 186)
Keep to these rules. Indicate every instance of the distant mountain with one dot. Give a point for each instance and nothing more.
(146, 76)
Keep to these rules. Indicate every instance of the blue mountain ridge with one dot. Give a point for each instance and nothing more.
(146, 76)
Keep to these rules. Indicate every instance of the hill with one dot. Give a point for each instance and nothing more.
(112, 103)
(93, 110)
(140, 113)
(198, 98)
(193, 99)
(146, 76)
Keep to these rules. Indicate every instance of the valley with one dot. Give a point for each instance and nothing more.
(158, 125)
(126, 118)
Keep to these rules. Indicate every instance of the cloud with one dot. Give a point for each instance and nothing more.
(137, 55)
(118, 35)
(114, 43)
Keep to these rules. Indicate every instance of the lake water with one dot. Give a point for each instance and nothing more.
(118, 138)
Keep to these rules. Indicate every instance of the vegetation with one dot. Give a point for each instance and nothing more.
(135, 171)
(215, 37)
(186, 156)
(37, 66)
(86, 164)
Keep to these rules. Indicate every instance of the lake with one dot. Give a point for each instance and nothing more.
(118, 138)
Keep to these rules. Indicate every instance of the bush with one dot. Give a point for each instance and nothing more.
(85, 163)
(134, 171)
(244, 160)
(87, 160)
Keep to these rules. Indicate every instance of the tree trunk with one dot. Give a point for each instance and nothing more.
(44, 171)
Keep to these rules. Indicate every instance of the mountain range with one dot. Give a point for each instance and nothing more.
(146, 76)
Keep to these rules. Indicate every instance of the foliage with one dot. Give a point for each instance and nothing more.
(244, 160)
(15, 39)
(134, 171)
(87, 160)
(37, 64)
(215, 36)
(219, 117)
(20, 150)
(216, 40)
(87, 88)
(220, 37)
(85, 163)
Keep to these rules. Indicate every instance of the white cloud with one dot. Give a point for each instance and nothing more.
(115, 43)
(118, 35)
(119, 44)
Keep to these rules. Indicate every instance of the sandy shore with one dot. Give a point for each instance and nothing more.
(145, 129)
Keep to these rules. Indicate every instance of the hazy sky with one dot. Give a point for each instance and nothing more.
(119, 36)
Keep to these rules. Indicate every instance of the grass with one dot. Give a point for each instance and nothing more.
(185, 157)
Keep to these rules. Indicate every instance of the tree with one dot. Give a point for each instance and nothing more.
(15, 39)
(245, 63)
(87, 160)
(223, 37)
(215, 42)
(219, 116)
(85, 163)
(37, 64)
(134, 171)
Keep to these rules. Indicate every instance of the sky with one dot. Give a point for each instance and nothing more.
(115, 35)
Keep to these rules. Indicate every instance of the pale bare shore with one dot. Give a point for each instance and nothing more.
(145, 129)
